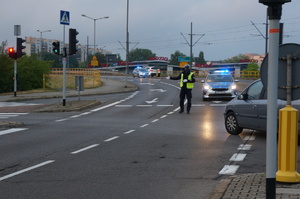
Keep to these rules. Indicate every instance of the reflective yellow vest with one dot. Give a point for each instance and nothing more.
(189, 85)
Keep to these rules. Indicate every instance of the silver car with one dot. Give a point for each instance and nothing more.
(140, 72)
(249, 109)
(219, 86)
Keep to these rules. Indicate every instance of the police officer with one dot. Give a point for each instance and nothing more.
(187, 81)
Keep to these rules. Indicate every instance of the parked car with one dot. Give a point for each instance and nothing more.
(249, 109)
(140, 72)
(219, 85)
(153, 71)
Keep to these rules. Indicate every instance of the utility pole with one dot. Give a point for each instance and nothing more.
(191, 43)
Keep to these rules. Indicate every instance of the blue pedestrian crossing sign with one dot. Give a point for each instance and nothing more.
(64, 17)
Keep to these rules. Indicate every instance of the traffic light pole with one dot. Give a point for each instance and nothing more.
(15, 77)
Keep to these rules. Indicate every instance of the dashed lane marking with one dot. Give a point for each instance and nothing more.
(244, 147)
(237, 157)
(229, 170)
(84, 149)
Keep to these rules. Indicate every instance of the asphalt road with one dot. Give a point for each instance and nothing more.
(133, 145)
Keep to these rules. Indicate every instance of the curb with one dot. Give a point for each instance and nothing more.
(220, 188)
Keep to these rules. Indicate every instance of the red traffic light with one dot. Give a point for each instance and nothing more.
(11, 52)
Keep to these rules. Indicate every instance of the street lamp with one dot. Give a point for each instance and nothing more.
(42, 38)
(95, 19)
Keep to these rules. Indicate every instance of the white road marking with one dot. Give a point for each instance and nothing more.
(237, 157)
(144, 125)
(198, 104)
(229, 170)
(244, 147)
(123, 105)
(144, 105)
(25, 170)
(249, 137)
(130, 131)
(162, 105)
(154, 120)
(61, 120)
(84, 149)
(111, 139)
(7, 104)
(163, 116)
(212, 105)
(8, 115)
(12, 130)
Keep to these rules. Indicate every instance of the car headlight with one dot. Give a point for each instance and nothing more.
(206, 87)
(233, 87)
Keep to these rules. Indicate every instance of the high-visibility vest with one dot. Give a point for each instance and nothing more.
(189, 85)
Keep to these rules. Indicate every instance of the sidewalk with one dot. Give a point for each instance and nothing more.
(109, 85)
(245, 186)
(252, 186)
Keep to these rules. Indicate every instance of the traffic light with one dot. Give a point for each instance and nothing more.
(55, 47)
(72, 41)
(20, 47)
(11, 52)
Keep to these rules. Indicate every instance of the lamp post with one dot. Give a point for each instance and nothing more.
(41, 37)
(94, 19)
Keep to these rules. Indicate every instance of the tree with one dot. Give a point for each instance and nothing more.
(200, 59)
(174, 58)
(252, 67)
(140, 54)
(236, 59)
(30, 73)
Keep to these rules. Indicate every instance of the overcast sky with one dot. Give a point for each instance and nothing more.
(158, 25)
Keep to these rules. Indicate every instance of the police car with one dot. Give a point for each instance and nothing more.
(219, 85)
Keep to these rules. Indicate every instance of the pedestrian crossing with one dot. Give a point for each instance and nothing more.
(10, 115)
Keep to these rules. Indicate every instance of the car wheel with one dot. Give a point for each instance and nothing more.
(231, 124)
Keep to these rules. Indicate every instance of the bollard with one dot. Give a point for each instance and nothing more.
(288, 145)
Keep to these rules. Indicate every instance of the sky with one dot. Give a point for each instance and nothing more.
(221, 28)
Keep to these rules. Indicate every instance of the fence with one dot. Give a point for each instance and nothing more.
(54, 80)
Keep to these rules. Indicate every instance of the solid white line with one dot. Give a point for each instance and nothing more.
(107, 106)
(130, 131)
(25, 170)
(13, 130)
(237, 157)
(75, 116)
(144, 125)
(14, 113)
(111, 139)
(229, 170)
(84, 149)
(155, 120)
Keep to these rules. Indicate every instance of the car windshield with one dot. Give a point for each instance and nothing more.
(143, 70)
(219, 78)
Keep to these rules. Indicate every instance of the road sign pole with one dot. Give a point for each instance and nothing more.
(271, 154)
(64, 69)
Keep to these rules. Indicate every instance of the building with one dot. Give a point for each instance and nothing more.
(36, 45)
